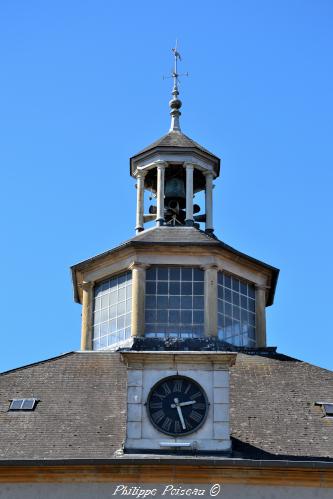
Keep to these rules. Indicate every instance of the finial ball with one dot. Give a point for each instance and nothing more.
(175, 104)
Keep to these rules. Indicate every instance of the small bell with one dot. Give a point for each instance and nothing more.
(175, 188)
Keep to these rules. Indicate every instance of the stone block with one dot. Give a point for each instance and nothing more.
(134, 430)
(221, 431)
(134, 412)
(221, 412)
(134, 378)
(221, 395)
(134, 394)
(214, 445)
(221, 379)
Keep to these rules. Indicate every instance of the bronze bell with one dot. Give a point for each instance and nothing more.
(174, 188)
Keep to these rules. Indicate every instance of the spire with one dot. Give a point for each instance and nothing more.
(175, 103)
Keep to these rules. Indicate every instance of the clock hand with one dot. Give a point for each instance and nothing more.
(182, 404)
(190, 402)
(180, 414)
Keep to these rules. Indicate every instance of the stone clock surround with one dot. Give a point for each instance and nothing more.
(209, 369)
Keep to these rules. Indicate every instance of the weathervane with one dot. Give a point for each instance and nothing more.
(175, 103)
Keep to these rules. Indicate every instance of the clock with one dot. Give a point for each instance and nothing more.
(177, 405)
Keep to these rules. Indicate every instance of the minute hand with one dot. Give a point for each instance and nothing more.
(190, 402)
(182, 404)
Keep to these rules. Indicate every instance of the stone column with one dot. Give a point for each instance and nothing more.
(261, 315)
(189, 194)
(209, 202)
(210, 300)
(138, 299)
(140, 186)
(87, 315)
(160, 192)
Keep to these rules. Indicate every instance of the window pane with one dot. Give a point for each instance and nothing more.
(112, 300)
(151, 301)
(186, 274)
(236, 322)
(186, 316)
(151, 288)
(174, 317)
(174, 292)
(121, 294)
(162, 302)
(174, 288)
(174, 302)
(162, 273)
(198, 275)
(186, 288)
(198, 288)
(186, 302)
(151, 274)
(162, 288)
(198, 302)
(198, 317)
(174, 274)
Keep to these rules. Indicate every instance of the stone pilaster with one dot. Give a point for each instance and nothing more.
(160, 192)
(139, 201)
(138, 299)
(209, 201)
(261, 315)
(87, 315)
(210, 300)
(189, 193)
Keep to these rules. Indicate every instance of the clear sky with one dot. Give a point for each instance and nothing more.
(81, 91)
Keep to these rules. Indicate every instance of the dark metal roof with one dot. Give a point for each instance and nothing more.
(82, 409)
(178, 141)
(174, 139)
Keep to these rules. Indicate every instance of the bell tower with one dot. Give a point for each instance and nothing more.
(174, 169)
(174, 301)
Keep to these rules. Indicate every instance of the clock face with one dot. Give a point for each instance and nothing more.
(177, 405)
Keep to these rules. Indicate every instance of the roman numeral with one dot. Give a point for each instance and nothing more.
(187, 389)
(166, 389)
(158, 416)
(177, 386)
(156, 405)
(199, 405)
(178, 428)
(159, 395)
(195, 395)
(188, 424)
(196, 416)
(167, 424)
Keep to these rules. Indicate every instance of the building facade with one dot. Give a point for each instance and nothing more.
(174, 385)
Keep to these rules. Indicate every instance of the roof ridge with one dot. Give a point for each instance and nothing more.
(26, 366)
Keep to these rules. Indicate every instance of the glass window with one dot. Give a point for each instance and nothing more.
(174, 302)
(236, 311)
(112, 311)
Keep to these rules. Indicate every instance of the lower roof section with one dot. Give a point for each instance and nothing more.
(81, 412)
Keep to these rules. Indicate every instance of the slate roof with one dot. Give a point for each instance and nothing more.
(82, 408)
(175, 139)
(183, 235)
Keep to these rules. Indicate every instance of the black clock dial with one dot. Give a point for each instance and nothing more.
(177, 405)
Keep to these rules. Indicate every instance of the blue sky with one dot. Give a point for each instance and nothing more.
(81, 91)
